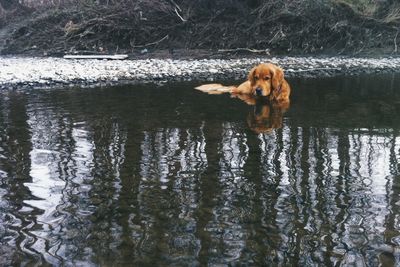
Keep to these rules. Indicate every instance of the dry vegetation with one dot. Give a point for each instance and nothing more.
(297, 26)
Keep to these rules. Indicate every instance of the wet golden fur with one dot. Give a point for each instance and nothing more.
(269, 80)
(264, 80)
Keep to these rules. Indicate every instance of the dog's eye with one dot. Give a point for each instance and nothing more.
(255, 77)
(266, 78)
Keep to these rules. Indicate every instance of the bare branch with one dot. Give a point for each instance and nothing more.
(177, 13)
(264, 51)
(153, 43)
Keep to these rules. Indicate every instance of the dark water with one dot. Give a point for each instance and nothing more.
(169, 176)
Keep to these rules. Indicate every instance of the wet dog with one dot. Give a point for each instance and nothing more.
(264, 80)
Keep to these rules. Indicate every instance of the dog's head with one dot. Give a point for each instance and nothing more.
(264, 78)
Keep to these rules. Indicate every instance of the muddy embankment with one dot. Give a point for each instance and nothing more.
(141, 28)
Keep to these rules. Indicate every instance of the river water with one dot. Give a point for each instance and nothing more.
(150, 175)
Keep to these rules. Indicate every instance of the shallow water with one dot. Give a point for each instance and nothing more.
(166, 175)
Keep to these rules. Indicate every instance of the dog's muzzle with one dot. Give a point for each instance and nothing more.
(258, 92)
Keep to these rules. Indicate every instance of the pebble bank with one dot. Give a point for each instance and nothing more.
(20, 72)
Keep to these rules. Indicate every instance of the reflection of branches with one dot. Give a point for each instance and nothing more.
(357, 152)
(325, 190)
(15, 148)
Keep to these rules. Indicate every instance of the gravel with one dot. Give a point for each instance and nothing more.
(20, 72)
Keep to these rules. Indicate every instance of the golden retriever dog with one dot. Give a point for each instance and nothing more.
(264, 80)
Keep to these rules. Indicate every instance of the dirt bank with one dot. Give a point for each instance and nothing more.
(216, 28)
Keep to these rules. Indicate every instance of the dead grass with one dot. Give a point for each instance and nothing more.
(392, 14)
(366, 8)
(373, 9)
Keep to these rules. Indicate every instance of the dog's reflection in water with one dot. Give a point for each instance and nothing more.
(264, 116)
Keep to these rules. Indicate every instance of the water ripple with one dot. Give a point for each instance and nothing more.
(118, 177)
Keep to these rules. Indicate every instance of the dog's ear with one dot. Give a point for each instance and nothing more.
(251, 75)
(277, 78)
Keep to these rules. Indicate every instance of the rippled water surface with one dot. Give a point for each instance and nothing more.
(166, 175)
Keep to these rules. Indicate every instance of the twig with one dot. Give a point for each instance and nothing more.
(395, 42)
(177, 9)
(317, 69)
(176, 5)
(120, 57)
(177, 13)
(153, 43)
(244, 49)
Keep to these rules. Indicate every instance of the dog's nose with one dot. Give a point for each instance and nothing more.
(258, 91)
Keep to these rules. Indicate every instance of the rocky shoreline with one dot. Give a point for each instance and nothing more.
(31, 72)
